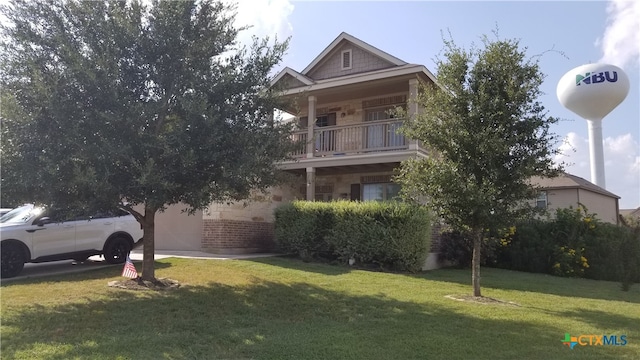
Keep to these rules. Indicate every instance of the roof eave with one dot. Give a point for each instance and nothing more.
(363, 77)
(287, 70)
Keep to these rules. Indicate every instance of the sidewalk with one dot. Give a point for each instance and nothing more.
(136, 254)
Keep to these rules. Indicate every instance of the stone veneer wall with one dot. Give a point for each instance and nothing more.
(243, 228)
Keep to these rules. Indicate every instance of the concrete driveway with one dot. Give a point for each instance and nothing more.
(59, 267)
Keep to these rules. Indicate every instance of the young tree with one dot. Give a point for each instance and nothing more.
(487, 135)
(137, 105)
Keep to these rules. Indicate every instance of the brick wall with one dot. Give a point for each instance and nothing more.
(236, 236)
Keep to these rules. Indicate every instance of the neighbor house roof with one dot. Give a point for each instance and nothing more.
(569, 181)
(630, 212)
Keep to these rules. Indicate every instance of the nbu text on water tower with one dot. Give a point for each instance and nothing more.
(592, 91)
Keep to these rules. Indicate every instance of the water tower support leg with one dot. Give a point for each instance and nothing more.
(596, 152)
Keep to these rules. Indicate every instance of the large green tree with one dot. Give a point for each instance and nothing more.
(136, 104)
(487, 135)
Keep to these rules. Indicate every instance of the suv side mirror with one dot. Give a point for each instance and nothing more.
(43, 221)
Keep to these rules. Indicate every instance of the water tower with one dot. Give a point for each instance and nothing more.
(593, 91)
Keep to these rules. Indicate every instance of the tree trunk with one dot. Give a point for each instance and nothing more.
(148, 242)
(475, 262)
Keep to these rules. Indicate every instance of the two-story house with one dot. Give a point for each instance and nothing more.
(342, 102)
(349, 92)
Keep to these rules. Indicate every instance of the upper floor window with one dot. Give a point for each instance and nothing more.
(346, 60)
(541, 200)
(381, 113)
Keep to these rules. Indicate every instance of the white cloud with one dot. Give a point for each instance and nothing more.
(622, 164)
(620, 43)
(265, 18)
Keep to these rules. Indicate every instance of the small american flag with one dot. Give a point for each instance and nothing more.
(129, 270)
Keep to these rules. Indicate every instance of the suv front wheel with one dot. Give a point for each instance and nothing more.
(12, 260)
(116, 250)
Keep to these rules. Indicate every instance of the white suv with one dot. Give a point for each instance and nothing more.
(29, 234)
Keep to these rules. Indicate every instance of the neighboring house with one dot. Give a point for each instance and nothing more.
(569, 190)
(630, 213)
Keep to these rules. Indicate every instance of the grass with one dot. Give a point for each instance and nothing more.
(279, 308)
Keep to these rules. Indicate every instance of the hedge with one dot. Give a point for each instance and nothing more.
(573, 244)
(386, 235)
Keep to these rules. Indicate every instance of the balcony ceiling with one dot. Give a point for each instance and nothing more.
(351, 169)
(356, 91)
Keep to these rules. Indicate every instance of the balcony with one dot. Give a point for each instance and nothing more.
(363, 138)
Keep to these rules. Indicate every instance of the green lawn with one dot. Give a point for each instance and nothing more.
(278, 308)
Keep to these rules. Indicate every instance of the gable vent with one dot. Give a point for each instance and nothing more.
(346, 60)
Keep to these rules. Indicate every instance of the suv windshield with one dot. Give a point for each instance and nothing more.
(20, 215)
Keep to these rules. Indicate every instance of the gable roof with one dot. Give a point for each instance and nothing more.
(296, 75)
(569, 181)
(344, 36)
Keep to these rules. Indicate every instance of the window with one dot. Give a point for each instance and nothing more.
(346, 60)
(383, 135)
(381, 113)
(325, 141)
(541, 201)
(380, 192)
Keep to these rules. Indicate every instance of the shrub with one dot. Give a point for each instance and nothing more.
(530, 248)
(385, 235)
(301, 228)
(553, 247)
(614, 254)
(630, 254)
(457, 247)
(574, 243)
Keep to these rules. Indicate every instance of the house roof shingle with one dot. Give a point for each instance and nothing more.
(569, 181)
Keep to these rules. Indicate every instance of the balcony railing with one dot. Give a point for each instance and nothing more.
(367, 137)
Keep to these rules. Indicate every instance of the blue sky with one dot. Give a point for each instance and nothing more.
(565, 34)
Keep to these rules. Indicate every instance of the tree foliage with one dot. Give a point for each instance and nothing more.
(145, 104)
(487, 134)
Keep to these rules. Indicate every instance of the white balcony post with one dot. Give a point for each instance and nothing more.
(311, 184)
(311, 124)
(412, 108)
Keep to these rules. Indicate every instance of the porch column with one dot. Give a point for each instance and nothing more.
(311, 124)
(311, 184)
(412, 108)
